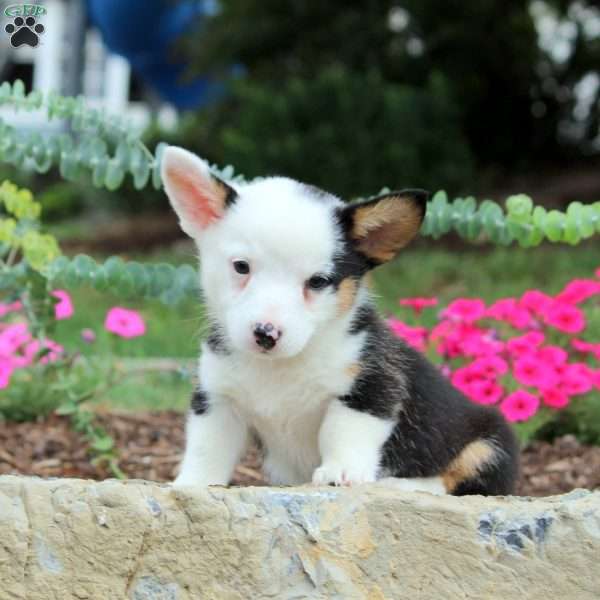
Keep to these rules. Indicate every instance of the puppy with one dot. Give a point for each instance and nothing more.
(297, 356)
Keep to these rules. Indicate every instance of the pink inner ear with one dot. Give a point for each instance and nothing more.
(194, 196)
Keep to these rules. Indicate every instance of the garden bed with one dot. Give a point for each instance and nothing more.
(150, 446)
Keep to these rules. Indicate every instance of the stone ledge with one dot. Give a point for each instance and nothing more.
(65, 538)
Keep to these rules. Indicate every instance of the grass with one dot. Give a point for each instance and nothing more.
(425, 270)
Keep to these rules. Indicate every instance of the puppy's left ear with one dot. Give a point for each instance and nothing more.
(380, 227)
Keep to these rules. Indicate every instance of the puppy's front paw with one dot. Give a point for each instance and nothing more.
(332, 473)
(186, 481)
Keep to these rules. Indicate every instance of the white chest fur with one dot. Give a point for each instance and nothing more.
(285, 401)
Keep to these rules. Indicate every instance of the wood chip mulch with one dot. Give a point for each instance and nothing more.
(150, 447)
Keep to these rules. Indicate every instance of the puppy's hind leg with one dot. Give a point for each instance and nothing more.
(488, 467)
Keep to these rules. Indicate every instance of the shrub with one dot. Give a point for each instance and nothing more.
(348, 132)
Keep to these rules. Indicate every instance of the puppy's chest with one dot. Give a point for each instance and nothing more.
(284, 403)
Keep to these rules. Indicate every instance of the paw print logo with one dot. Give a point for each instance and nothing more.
(24, 32)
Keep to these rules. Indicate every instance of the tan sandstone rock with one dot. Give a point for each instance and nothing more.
(63, 539)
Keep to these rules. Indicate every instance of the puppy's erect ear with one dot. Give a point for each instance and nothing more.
(198, 197)
(378, 228)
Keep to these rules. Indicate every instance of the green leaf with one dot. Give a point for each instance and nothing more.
(102, 444)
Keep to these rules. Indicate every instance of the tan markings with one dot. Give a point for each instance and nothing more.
(346, 294)
(353, 370)
(386, 226)
(468, 463)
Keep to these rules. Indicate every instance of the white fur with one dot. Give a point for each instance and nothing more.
(288, 395)
(350, 442)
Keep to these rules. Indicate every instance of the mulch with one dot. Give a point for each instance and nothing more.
(150, 447)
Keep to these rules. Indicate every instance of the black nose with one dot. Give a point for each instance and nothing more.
(266, 335)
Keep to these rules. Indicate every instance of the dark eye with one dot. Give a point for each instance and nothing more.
(241, 267)
(318, 282)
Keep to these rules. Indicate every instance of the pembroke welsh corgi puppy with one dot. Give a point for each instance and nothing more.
(297, 356)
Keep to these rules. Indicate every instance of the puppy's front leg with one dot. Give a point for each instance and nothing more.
(215, 440)
(350, 443)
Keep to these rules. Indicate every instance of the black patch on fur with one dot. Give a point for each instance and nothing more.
(216, 340)
(364, 317)
(230, 194)
(199, 402)
(434, 420)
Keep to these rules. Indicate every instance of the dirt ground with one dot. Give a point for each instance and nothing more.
(150, 447)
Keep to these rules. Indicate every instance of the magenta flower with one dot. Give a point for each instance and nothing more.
(535, 301)
(418, 304)
(490, 366)
(565, 318)
(586, 347)
(552, 355)
(576, 378)
(12, 338)
(465, 309)
(530, 370)
(6, 370)
(578, 290)
(8, 308)
(124, 323)
(88, 336)
(414, 336)
(63, 309)
(485, 392)
(519, 406)
(555, 398)
(510, 311)
(525, 344)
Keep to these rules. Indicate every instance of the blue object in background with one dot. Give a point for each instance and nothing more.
(144, 33)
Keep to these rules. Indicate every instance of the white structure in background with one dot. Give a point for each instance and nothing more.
(106, 79)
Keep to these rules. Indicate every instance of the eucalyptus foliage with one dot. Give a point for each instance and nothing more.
(107, 149)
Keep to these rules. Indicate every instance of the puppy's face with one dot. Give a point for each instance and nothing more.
(281, 261)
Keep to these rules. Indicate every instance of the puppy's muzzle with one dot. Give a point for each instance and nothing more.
(266, 335)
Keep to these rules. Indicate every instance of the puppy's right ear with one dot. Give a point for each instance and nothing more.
(198, 197)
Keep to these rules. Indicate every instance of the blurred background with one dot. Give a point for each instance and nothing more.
(477, 97)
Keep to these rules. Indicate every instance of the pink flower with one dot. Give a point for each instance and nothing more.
(530, 370)
(414, 336)
(88, 336)
(124, 323)
(418, 304)
(553, 355)
(8, 308)
(6, 370)
(519, 406)
(509, 310)
(491, 366)
(578, 290)
(465, 309)
(464, 377)
(586, 347)
(535, 301)
(525, 344)
(596, 378)
(565, 318)
(485, 392)
(12, 338)
(555, 398)
(63, 309)
(576, 378)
